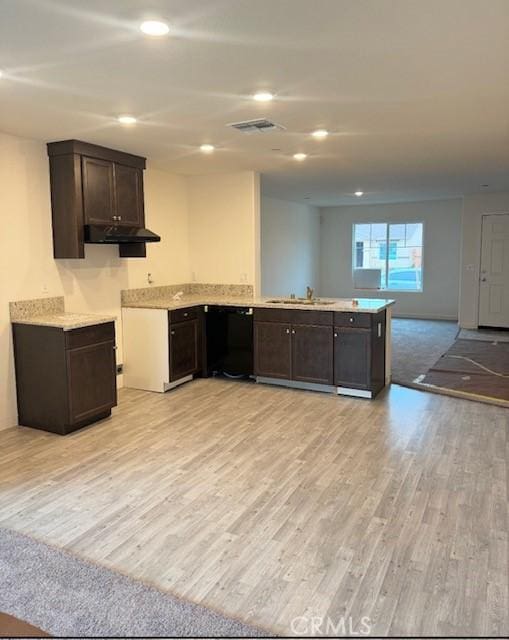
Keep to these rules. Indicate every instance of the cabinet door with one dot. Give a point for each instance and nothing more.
(352, 358)
(98, 191)
(184, 349)
(312, 353)
(91, 380)
(272, 350)
(129, 195)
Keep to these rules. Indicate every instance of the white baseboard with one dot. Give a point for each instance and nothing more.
(423, 316)
(8, 422)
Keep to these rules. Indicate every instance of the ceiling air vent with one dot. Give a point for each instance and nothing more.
(253, 126)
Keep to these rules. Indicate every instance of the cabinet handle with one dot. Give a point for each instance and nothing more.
(335, 335)
(172, 333)
(288, 331)
(293, 331)
(119, 218)
(115, 347)
(352, 319)
(185, 314)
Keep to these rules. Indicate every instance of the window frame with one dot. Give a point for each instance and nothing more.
(387, 240)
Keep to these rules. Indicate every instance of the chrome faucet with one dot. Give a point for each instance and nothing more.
(309, 293)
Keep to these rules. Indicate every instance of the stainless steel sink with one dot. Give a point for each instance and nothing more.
(314, 301)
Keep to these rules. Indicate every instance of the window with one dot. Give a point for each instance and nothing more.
(395, 249)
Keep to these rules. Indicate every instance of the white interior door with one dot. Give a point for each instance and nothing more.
(494, 281)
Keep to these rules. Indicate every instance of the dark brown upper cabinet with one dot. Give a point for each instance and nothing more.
(93, 185)
(98, 191)
(129, 196)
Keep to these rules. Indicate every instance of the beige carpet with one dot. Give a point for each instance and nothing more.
(417, 345)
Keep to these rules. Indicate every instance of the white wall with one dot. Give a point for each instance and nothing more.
(473, 209)
(290, 247)
(441, 257)
(224, 212)
(27, 267)
(166, 213)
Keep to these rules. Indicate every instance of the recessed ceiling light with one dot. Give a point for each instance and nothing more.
(207, 148)
(320, 134)
(300, 156)
(263, 96)
(127, 119)
(359, 193)
(154, 28)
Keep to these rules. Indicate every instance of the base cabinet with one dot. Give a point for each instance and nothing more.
(64, 379)
(352, 364)
(185, 341)
(341, 349)
(359, 351)
(312, 353)
(91, 381)
(183, 349)
(272, 350)
(290, 348)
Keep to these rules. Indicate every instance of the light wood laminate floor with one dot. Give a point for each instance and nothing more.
(269, 503)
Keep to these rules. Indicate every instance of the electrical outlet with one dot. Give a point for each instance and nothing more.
(120, 369)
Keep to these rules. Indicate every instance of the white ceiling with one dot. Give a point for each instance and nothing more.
(416, 92)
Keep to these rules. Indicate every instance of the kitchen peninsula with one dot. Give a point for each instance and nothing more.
(332, 345)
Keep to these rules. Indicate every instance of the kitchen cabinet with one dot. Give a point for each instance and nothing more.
(312, 353)
(98, 191)
(65, 379)
(352, 362)
(294, 345)
(93, 185)
(343, 349)
(359, 351)
(272, 349)
(184, 343)
(129, 195)
(112, 193)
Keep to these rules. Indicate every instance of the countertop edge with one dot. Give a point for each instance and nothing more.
(46, 321)
(182, 304)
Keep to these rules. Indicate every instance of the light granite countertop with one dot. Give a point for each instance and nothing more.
(365, 305)
(65, 321)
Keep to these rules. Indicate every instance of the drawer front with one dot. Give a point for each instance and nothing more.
(294, 316)
(347, 319)
(180, 315)
(90, 335)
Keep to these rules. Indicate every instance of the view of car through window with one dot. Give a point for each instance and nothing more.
(393, 248)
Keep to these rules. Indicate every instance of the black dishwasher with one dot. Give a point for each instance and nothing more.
(229, 341)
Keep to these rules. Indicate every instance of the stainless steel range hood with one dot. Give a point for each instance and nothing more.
(98, 234)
